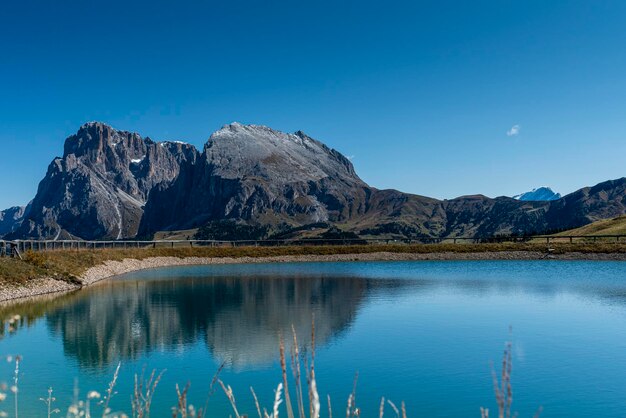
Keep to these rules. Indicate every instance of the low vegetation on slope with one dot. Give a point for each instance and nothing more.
(614, 226)
(14, 271)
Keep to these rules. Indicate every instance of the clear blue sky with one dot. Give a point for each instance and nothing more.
(420, 94)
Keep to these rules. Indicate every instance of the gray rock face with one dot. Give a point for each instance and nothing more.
(11, 219)
(260, 175)
(100, 185)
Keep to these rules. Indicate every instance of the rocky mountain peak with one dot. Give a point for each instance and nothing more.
(261, 133)
(100, 185)
(236, 150)
(259, 174)
(95, 138)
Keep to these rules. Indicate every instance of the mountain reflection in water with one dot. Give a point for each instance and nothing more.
(240, 318)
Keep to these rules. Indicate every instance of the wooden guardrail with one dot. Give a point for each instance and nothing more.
(571, 238)
(48, 245)
(17, 247)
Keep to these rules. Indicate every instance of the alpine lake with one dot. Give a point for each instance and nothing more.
(428, 333)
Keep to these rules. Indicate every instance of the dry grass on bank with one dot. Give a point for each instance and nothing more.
(16, 272)
(70, 264)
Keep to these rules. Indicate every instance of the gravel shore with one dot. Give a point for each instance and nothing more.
(35, 287)
(114, 268)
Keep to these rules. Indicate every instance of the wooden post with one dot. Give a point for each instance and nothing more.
(16, 250)
(571, 240)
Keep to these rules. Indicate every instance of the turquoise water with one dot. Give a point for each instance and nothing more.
(422, 332)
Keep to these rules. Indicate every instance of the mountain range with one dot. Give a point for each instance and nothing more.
(112, 184)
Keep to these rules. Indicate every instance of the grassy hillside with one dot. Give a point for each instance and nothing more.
(614, 226)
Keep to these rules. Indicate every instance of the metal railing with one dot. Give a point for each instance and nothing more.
(17, 247)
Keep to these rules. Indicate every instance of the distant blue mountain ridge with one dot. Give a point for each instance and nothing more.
(541, 194)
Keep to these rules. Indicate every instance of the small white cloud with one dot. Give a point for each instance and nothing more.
(350, 157)
(514, 131)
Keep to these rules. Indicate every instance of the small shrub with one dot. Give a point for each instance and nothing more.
(231, 231)
(37, 259)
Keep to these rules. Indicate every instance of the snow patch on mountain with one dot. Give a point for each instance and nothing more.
(540, 194)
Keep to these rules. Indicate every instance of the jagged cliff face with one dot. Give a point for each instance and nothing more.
(11, 219)
(260, 175)
(100, 185)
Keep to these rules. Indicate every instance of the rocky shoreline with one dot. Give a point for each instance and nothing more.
(35, 287)
(114, 268)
